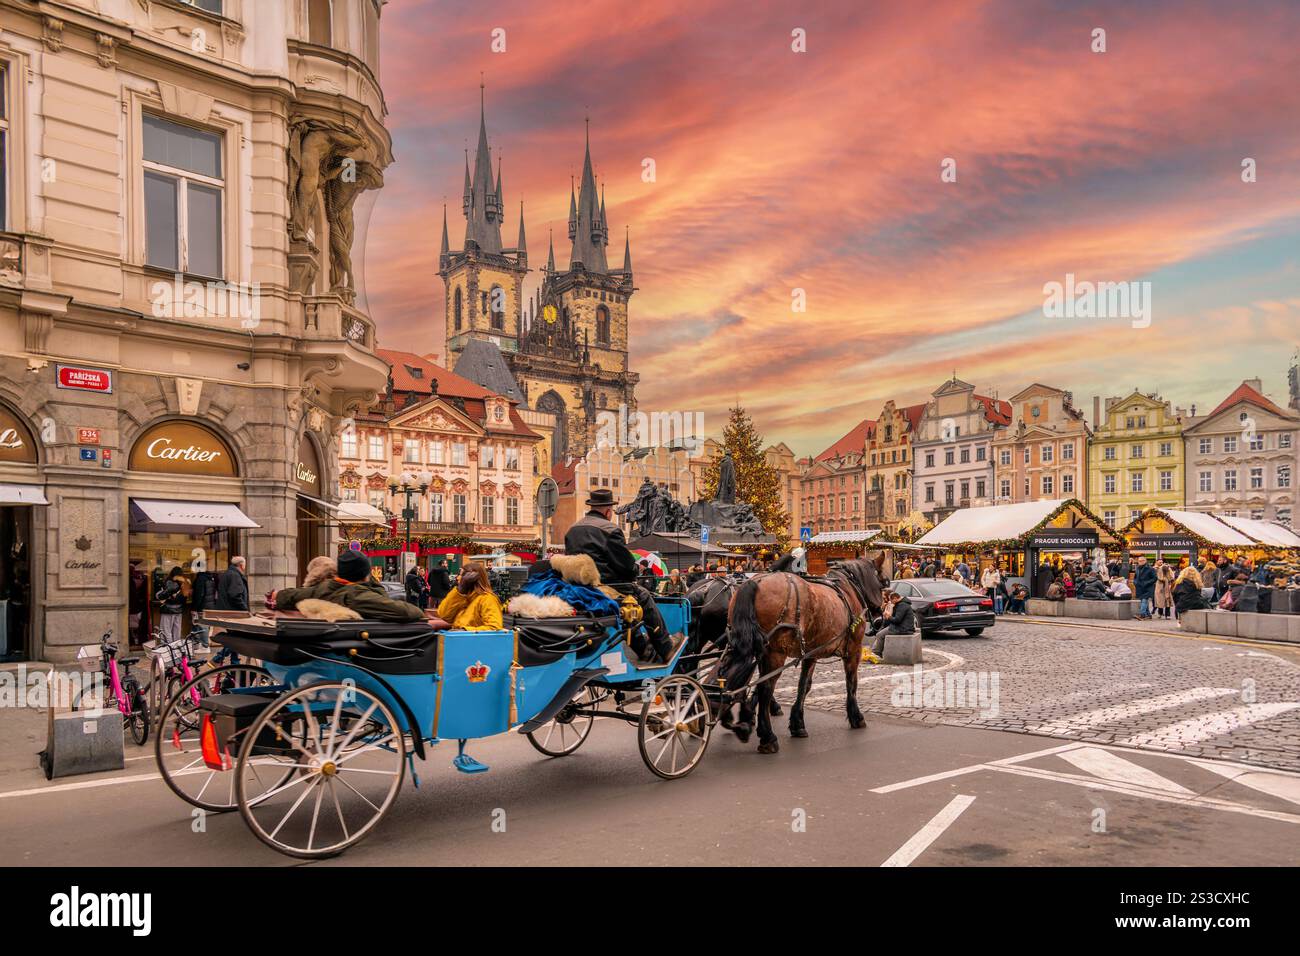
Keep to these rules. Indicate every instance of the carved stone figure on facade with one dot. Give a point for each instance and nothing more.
(315, 149)
(341, 192)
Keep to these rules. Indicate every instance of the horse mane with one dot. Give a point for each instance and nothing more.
(784, 562)
(860, 571)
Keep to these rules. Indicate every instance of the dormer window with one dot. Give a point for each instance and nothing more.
(413, 371)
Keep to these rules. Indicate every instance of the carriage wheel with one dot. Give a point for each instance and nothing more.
(176, 745)
(675, 725)
(349, 756)
(567, 731)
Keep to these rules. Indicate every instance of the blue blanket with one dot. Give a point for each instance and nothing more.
(582, 598)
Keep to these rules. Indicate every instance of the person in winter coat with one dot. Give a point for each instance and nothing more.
(171, 598)
(439, 581)
(1092, 589)
(1187, 591)
(232, 588)
(472, 606)
(897, 617)
(1144, 587)
(1164, 595)
(1210, 575)
(352, 587)
(417, 588)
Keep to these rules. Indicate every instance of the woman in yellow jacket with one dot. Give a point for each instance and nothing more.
(471, 605)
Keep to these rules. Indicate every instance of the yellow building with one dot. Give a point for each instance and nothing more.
(1135, 457)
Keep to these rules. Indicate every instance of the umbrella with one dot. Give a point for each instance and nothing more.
(656, 563)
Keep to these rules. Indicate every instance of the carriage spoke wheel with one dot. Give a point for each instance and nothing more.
(675, 725)
(568, 730)
(177, 749)
(349, 756)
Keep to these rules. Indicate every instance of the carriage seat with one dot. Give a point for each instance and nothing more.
(546, 639)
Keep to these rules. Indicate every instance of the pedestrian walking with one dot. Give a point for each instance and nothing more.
(1144, 587)
(171, 599)
(1164, 595)
(232, 588)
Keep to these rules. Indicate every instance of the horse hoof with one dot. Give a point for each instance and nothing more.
(858, 724)
(770, 747)
(775, 710)
(742, 732)
(798, 732)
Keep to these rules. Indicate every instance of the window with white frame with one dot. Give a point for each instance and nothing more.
(1026, 454)
(459, 508)
(1166, 449)
(1256, 478)
(488, 507)
(1004, 456)
(1046, 454)
(1108, 453)
(1004, 489)
(375, 448)
(1284, 516)
(377, 498)
(1205, 481)
(1136, 481)
(487, 456)
(1229, 444)
(1284, 476)
(512, 458)
(1205, 446)
(512, 511)
(1136, 450)
(1067, 451)
(184, 191)
(1108, 483)
(1109, 517)
(1230, 479)
(1048, 484)
(348, 444)
(435, 506)
(1284, 440)
(411, 451)
(1166, 481)
(436, 456)
(459, 453)
(1067, 482)
(349, 494)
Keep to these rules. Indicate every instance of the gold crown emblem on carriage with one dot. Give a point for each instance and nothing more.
(477, 672)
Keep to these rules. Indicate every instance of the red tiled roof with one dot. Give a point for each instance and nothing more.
(565, 475)
(913, 415)
(997, 412)
(854, 441)
(1245, 393)
(449, 383)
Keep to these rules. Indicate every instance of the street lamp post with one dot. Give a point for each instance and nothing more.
(409, 485)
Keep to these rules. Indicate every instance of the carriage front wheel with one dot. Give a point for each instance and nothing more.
(568, 730)
(348, 752)
(675, 725)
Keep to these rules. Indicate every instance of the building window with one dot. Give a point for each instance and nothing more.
(1108, 484)
(1284, 516)
(1205, 481)
(948, 492)
(965, 490)
(1004, 457)
(436, 456)
(1136, 450)
(348, 447)
(1136, 482)
(1229, 444)
(458, 307)
(965, 456)
(1257, 442)
(459, 508)
(487, 456)
(1256, 478)
(1045, 453)
(929, 494)
(1230, 480)
(348, 494)
(1026, 454)
(1108, 453)
(1047, 484)
(929, 459)
(1166, 449)
(1028, 491)
(1067, 483)
(1166, 481)
(512, 511)
(602, 326)
(1284, 440)
(488, 506)
(1004, 489)
(981, 489)
(183, 192)
(1067, 451)
(375, 448)
(512, 459)
(981, 453)
(1205, 446)
(459, 453)
(435, 507)
(1109, 517)
(212, 6)
(320, 28)
(948, 456)
(411, 451)
(1284, 476)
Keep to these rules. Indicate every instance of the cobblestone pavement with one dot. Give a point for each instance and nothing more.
(1127, 686)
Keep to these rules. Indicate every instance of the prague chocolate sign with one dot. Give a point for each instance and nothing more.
(182, 448)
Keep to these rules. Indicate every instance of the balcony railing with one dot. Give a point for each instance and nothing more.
(327, 317)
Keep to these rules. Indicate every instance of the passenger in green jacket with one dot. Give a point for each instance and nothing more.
(352, 588)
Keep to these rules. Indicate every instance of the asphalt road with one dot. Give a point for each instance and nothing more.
(838, 797)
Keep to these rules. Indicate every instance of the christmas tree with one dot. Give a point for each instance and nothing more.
(757, 483)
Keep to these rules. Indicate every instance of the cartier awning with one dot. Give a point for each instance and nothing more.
(187, 515)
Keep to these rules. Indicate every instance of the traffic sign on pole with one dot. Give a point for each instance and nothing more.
(805, 534)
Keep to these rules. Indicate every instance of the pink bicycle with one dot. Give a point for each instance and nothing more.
(125, 690)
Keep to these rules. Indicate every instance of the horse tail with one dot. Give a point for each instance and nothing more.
(745, 638)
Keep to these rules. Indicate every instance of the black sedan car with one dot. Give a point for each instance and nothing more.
(943, 604)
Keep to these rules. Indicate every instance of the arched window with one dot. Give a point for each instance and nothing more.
(319, 27)
(602, 325)
(459, 308)
(498, 307)
(552, 403)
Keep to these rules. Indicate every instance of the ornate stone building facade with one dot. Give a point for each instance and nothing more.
(179, 336)
(1135, 457)
(952, 451)
(567, 352)
(1043, 454)
(888, 458)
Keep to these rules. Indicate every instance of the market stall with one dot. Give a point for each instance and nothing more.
(1175, 536)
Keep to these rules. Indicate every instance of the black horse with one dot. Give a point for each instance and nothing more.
(710, 600)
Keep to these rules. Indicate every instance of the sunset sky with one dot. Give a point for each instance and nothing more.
(779, 170)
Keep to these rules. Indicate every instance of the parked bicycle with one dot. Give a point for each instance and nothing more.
(125, 692)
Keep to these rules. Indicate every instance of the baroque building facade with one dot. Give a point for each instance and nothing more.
(179, 332)
(1135, 457)
(566, 352)
(952, 451)
(1042, 455)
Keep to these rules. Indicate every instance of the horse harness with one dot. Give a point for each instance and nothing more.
(836, 585)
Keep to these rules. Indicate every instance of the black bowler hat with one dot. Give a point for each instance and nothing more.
(601, 498)
(354, 566)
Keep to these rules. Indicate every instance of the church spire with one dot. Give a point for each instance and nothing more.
(627, 253)
(445, 254)
(587, 220)
(521, 247)
(483, 207)
(550, 258)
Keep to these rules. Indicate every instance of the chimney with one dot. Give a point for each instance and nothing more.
(1256, 384)
(1096, 412)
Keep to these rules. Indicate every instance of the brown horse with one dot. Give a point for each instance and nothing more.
(776, 617)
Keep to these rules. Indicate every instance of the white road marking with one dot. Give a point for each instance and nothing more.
(1108, 765)
(1195, 729)
(923, 837)
(1117, 712)
(1274, 784)
(787, 695)
(993, 765)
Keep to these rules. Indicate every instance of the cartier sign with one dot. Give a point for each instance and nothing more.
(306, 470)
(182, 448)
(15, 440)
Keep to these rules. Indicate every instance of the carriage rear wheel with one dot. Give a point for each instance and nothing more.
(675, 725)
(568, 730)
(177, 748)
(349, 757)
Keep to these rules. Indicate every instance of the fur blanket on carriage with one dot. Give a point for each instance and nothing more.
(565, 585)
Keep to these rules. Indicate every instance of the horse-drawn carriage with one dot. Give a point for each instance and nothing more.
(311, 743)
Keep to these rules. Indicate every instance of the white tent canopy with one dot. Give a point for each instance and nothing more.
(837, 537)
(1210, 528)
(992, 523)
(361, 513)
(1265, 532)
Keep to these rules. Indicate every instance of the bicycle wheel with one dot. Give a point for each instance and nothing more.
(138, 720)
(177, 747)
